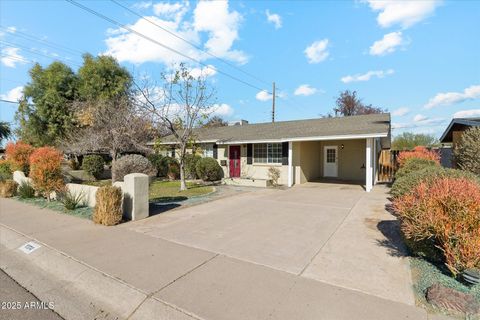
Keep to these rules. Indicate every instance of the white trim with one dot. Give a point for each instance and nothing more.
(280, 140)
(374, 161)
(319, 138)
(368, 165)
(290, 165)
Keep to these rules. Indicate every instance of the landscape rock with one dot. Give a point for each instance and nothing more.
(451, 299)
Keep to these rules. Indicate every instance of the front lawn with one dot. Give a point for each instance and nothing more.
(169, 191)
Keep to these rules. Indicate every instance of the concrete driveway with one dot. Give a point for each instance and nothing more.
(333, 233)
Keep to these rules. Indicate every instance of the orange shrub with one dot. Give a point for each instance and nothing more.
(46, 170)
(419, 153)
(448, 211)
(18, 155)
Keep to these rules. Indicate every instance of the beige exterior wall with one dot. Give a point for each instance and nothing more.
(308, 158)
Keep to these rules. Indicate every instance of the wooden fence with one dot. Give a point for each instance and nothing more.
(387, 165)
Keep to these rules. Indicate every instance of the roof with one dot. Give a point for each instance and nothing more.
(458, 124)
(362, 126)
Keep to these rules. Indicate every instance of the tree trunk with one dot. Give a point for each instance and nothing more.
(183, 183)
(114, 176)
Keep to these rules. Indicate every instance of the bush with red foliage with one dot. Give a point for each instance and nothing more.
(18, 155)
(448, 212)
(418, 153)
(45, 170)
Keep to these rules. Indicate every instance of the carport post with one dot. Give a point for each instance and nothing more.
(290, 165)
(369, 165)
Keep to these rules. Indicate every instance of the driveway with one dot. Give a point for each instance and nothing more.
(334, 233)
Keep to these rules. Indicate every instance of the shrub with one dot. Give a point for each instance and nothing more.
(414, 164)
(8, 188)
(71, 200)
(132, 163)
(274, 175)
(467, 152)
(447, 210)
(93, 164)
(18, 154)
(159, 162)
(407, 183)
(173, 172)
(45, 171)
(5, 170)
(191, 161)
(108, 207)
(208, 169)
(26, 191)
(419, 153)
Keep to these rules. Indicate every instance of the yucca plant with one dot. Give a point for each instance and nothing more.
(71, 200)
(26, 191)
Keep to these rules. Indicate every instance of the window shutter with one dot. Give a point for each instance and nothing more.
(285, 153)
(215, 151)
(249, 153)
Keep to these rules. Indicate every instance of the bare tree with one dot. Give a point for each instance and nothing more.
(180, 105)
(113, 127)
(348, 104)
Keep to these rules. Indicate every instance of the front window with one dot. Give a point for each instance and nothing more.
(267, 153)
(208, 150)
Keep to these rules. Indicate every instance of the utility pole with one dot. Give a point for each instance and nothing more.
(273, 103)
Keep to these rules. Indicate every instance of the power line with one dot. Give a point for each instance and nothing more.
(189, 42)
(16, 58)
(115, 22)
(51, 44)
(37, 52)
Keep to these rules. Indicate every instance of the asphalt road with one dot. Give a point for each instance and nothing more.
(19, 304)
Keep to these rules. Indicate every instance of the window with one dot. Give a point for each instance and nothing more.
(267, 153)
(331, 156)
(208, 150)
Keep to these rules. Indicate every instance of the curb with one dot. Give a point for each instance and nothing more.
(77, 290)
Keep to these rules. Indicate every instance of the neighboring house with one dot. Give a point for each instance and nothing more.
(453, 135)
(343, 148)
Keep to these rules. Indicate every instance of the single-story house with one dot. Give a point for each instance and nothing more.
(455, 129)
(343, 148)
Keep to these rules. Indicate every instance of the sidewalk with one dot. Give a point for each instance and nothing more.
(91, 271)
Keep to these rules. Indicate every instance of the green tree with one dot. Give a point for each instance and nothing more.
(409, 140)
(49, 117)
(102, 78)
(214, 122)
(5, 130)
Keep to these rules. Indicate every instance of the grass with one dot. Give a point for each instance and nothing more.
(425, 274)
(98, 183)
(169, 191)
(81, 212)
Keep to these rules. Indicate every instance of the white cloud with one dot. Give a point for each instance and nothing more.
(405, 13)
(448, 98)
(223, 110)
(274, 18)
(13, 95)
(222, 29)
(400, 112)
(11, 57)
(317, 51)
(142, 5)
(388, 44)
(367, 76)
(467, 113)
(419, 118)
(219, 33)
(204, 72)
(305, 90)
(170, 11)
(263, 96)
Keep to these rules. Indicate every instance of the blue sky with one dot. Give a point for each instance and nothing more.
(418, 59)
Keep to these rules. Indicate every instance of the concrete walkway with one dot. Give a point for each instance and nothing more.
(91, 271)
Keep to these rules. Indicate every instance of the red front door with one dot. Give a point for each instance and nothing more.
(234, 158)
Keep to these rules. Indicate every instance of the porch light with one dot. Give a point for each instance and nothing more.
(342, 146)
